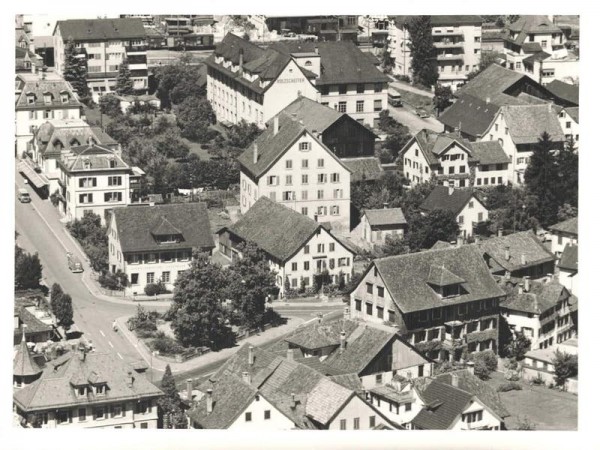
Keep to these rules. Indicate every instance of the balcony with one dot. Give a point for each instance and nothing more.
(136, 48)
(447, 33)
(450, 57)
(448, 44)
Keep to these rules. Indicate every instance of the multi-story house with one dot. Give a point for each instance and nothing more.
(562, 234)
(88, 390)
(540, 310)
(463, 203)
(533, 45)
(55, 139)
(519, 254)
(377, 224)
(155, 243)
(457, 42)
(258, 390)
(569, 122)
(442, 301)
(290, 164)
(374, 353)
(326, 28)
(539, 363)
(296, 246)
(453, 160)
(38, 98)
(247, 82)
(105, 44)
(568, 268)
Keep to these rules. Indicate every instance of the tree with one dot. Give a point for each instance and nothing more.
(567, 162)
(242, 134)
(565, 212)
(518, 347)
(387, 61)
(28, 270)
(424, 63)
(302, 288)
(541, 176)
(124, 84)
(170, 404)
(177, 82)
(92, 236)
(55, 293)
(196, 309)
(110, 105)
(394, 245)
(396, 139)
(194, 116)
(64, 311)
(171, 145)
(565, 366)
(443, 95)
(424, 231)
(75, 70)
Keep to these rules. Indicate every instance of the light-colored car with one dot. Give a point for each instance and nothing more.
(422, 113)
(23, 196)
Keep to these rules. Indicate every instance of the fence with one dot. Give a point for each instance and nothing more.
(191, 353)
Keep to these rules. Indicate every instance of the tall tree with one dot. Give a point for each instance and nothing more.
(423, 53)
(567, 161)
(55, 293)
(565, 366)
(541, 178)
(194, 116)
(64, 311)
(124, 84)
(197, 312)
(424, 231)
(110, 105)
(28, 270)
(443, 95)
(75, 71)
(387, 61)
(170, 404)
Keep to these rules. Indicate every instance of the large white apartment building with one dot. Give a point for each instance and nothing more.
(155, 243)
(457, 40)
(290, 165)
(39, 98)
(247, 82)
(105, 44)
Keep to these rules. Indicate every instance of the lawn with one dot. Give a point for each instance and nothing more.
(547, 409)
(415, 100)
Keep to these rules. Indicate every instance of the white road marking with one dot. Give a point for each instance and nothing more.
(103, 335)
(119, 355)
(111, 344)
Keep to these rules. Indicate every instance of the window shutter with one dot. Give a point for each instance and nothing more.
(277, 180)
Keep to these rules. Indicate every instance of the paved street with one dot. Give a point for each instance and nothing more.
(405, 116)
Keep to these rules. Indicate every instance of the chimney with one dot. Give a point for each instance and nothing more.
(453, 243)
(209, 400)
(550, 277)
(316, 217)
(246, 377)
(487, 100)
(450, 189)
(251, 355)
(290, 354)
(385, 205)
(471, 367)
(347, 312)
(130, 378)
(526, 285)
(255, 153)
(507, 253)
(293, 402)
(275, 125)
(189, 389)
(523, 260)
(454, 380)
(520, 288)
(294, 116)
(507, 275)
(500, 232)
(342, 341)
(241, 58)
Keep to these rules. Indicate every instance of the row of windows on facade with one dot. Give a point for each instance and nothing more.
(98, 56)
(341, 262)
(342, 89)
(459, 331)
(109, 197)
(88, 182)
(360, 106)
(234, 85)
(150, 258)
(165, 277)
(98, 413)
(458, 68)
(296, 282)
(229, 115)
(138, 83)
(273, 180)
(48, 98)
(394, 407)
(356, 423)
(132, 43)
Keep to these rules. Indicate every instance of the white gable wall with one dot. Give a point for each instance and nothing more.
(474, 211)
(276, 421)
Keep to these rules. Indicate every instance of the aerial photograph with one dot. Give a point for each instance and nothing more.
(270, 223)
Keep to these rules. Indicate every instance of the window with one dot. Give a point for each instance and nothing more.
(332, 246)
(357, 423)
(325, 90)
(288, 180)
(480, 217)
(358, 305)
(338, 193)
(98, 413)
(306, 265)
(379, 378)
(87, 182)
(379, 291)
(305, 163)
(248, 417)
(322, 178)
(342, 107)
(114, 181)
(294, 267)
(371, 421)
(320, 162)
(369, 288)
(377, 105)
(360, 88)
(272, 180)
(335, 178)
(462, 309)
(360, 106)
(166, 277)
(305, 197)
(461, 219)
(267, 414)
(462, 169)
(342, 424)
(86, 198)
(149, 277)
(343, 89)
(378, 87)
(288, 164)
(82, 414)
(320, 194)
(370, 309)
(320, 248)
(407, 407)
(380, 312)
(134, 278)
(113, 196)
(474, 416)
(143, 425)
(568, 124)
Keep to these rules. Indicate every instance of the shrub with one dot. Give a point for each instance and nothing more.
(484, 363)
(480, 369)
(525, 424)
(511, 386)
(167, 346)
(154, 289)
(538, 381)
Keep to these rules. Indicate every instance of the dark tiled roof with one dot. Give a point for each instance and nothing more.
(472, 115)
(319, 335)
(447, 404)
(65, 132)
(54, 388)
(534, 24)
(472, 384)
(101, 29)
(23, 363)
(39, 87)
(567, 226)
(316, 117)
(532, 47)
(405, 276)
(386, 216)
(526, 123)
(440, 276)
(441, 198)
(574, 113)
(363, 169)
(136, 223)
(492, 83)
(540, 298)
(350, 381)
(33, 325)
(489, 152)
(568, 259)
(539, 56)
(522, 243)
(391, 393)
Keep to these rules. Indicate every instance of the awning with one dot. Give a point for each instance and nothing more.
(39, 181)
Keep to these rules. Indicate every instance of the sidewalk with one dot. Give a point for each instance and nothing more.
(156, 363)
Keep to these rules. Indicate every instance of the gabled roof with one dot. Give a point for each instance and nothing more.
(405, 277)
(573, 112)
(38, 87)
(532, 47)
(136, 223)
(32, 324)
(540, 298)
(470, 114)
(539, 56)
(527, 123)
(448, 199)
(276, 229)
(385, 216)
(315, 116)
(54, 389)
(366, 168)
(565, 91)
(568, 259)
(489, 152)
(441, 276)
(64, 132)
(492, 83)
(534, 24)
(567, 226)
(99, 158)
(23, 363)
(164, 227)
(445, 402)
(521, 243)
(319, 335)
(83, 30)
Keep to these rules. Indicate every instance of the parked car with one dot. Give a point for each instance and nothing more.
(23, 196)
(422, 113)
(74, 263)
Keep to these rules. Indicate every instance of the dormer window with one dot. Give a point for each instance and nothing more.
(64, 98)
(82, 391)
(30, 99)
(445, 283)
(100, 389)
